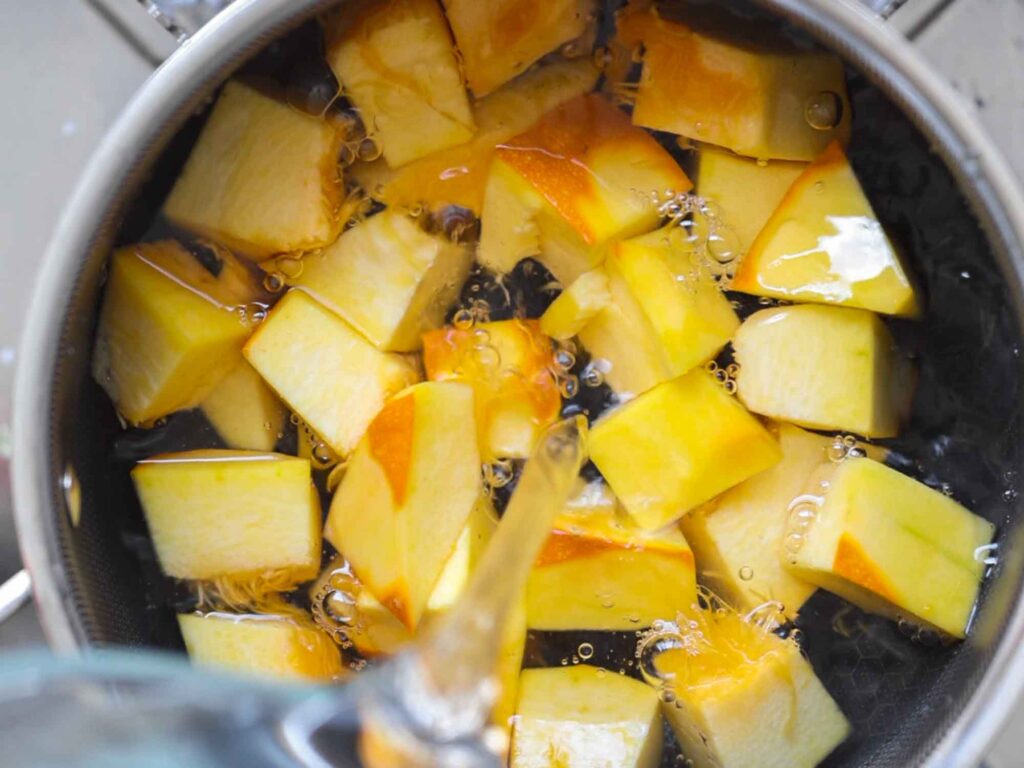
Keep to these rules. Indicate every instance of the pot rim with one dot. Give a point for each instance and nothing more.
(178, 87)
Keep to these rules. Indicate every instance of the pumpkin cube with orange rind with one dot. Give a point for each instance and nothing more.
(328, 374)
(390, 517)
(396, 63)
(388, 278)
(457, 175)
(824, 244)
(372, 628)
(581, 177)
(599, 571)
(501, 38)
(709, 85)
(286, 647)
(169, 329)
(888, 544)
(745, 697)
(677, 446)
(508, 363)
(262, 179)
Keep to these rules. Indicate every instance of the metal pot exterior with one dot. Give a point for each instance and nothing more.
(72, 269)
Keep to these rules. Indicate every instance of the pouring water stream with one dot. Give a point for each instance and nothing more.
(429, 706)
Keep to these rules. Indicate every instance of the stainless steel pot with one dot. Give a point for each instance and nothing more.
(57, 469)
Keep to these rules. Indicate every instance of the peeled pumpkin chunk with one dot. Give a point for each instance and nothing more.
(390, 516)
(328, 374)
(244, 411)
(888, 544)
(583, 716)
(677, 446)
(737, 536)
(262, 179)
(218, 513)
(499, 39)
(508, 363)
(823, 368)
(745, 191)
(667, 313)
(824, 244)
(395, 62)
(599, 571)
(457, 175)
(388, 279)
(372, 628)
(581, 177)
(708, 84)
(169, 329)
(576, 305)
(744, 697)
(284, 647)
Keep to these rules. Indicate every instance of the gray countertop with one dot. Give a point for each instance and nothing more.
(68, 66)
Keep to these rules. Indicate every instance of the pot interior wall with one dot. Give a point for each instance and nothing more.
(901, 695)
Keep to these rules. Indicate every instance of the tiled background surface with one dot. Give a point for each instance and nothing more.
(66, 69)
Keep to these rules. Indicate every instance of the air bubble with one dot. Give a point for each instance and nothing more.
(592, 376)
(323, 457)
(274, 282)
(585, 651)
(824, 111)
(746, 573)
(498, 474)
(987, 554)
(564, 359)
(463, 319)
(369, 149)
(569, 387)
(289, 266)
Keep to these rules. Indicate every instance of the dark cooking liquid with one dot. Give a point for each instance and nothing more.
(962, 436)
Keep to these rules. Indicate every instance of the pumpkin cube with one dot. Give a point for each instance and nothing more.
(824, 244)
(888, 544)
(395, 62)
(583, 716)
(277, 646)
(737, 536)
(667, 314)
(823, 368)
(262, 179)
(746, 191)
(244, 411)
(759, 102)
(744, 697)
(168, 329)
(501, 38)
(216, 513)
(581, 177)
(576, 305)
(328, 374)
(599, 571)
(388, 279)
(508, 363)
(392, 519)
(677, 446)
(457, 175)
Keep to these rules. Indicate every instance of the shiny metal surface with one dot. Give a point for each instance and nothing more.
(188, 75)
